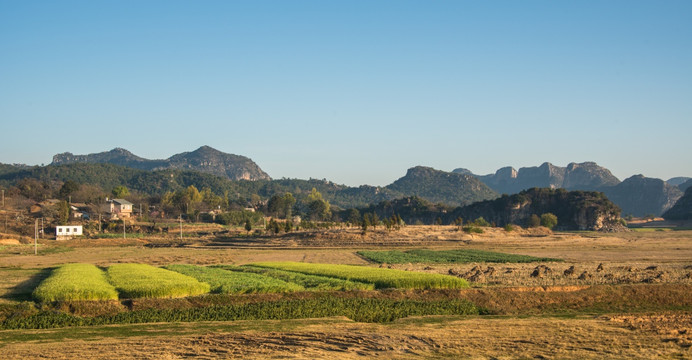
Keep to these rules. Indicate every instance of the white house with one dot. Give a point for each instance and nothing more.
(66, 232)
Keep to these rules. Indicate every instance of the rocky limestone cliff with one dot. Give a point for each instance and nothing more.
(576, 176)
(575, 210)
(587, 176)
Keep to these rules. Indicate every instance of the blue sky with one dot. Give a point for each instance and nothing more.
(353, 91)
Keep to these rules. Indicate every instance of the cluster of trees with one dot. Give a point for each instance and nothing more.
(548, 220)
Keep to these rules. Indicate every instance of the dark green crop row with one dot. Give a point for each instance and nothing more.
(358, 309)
(446, 257)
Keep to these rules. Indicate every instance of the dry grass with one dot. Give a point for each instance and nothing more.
(478, 338)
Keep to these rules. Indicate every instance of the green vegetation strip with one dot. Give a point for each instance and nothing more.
(358, 309)
(446, 257)
(75, 282)
(381, 278)
(230, 282)
(308, 282)
(146, 281)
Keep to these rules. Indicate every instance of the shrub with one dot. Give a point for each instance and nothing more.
(481, 222)
(534, 221)
(472, 229)
(549, 220)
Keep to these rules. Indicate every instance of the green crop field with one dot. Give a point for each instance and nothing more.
(309, 282)
(446, 257)
(381, 278)
(144, 281)
(75, 282)
(232, 282)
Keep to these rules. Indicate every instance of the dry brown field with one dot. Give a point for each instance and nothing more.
(548, 314)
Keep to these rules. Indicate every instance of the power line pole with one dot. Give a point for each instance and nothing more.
(36, 238)
(124, 229)
(181, 227)
(3, 198)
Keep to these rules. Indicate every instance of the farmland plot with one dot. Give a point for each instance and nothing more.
(309, 282)
(381, 278)
(446, 256)
(144, 281)
(75, 282)
(231, 282)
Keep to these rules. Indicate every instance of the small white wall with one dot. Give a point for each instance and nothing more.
(68, 230)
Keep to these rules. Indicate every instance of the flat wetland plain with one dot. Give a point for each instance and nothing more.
(627, 295)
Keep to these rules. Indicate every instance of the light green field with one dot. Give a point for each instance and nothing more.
(75, 282)
(309, 282)
(381, 278)
(231, 282)
(146, 281)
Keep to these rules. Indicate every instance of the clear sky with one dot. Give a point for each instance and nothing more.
(353, 91)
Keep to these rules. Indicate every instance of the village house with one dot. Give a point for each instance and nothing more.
(119, 208)
(80, 211)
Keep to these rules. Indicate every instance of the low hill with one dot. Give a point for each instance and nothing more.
(205, 159)
(575, 210)
(442, 187)
(682, 210)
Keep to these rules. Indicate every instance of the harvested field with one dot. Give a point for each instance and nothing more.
(437, 337)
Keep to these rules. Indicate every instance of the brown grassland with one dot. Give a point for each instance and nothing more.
(627, 295)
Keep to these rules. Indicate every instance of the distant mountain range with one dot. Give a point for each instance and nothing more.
(637, 195)
(584, 176)
(205, 159)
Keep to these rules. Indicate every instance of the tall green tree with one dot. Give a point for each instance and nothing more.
(549, 220)
(534, 221)
(318, 208)
(63, 212)
(67, 189)
(120, 192)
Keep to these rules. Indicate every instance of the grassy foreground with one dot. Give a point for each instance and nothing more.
(381, 278)
(75, 282)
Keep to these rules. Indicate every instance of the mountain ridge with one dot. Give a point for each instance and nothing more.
(204, 159)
